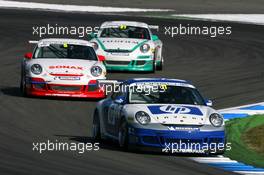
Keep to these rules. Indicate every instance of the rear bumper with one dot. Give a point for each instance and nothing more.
(134, 65)
(178, 141)
(60, 90)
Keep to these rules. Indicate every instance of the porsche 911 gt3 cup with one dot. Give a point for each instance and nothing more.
(62, 67)
(128, 46)
(168, 114)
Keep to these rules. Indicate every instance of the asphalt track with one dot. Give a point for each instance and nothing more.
(227, 69)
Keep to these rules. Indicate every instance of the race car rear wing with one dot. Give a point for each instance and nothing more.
(154, 27)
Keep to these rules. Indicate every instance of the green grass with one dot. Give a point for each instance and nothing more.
(245, 136)
(249, 137)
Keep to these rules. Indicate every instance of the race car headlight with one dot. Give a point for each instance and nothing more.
(216, 120)
(144, 48)
(36, 69)
(142, 117)
(95, 45)
(96, 71)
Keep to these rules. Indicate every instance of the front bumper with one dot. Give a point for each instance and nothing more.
(178, 141)
(39, 88)
(134, 65)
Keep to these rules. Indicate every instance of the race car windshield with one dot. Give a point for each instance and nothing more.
(65, 51)
(126, 32)
(165, 95)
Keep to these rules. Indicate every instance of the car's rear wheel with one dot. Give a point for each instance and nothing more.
(96, 133)
(123, 134)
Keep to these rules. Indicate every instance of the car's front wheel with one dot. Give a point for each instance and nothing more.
(123, 134)
(153, 67)
(160, 65)
(23, 86)
(96, 133)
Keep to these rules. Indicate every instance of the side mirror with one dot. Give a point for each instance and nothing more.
(28, 55)
(209, 102)
(101, 57)
(91, 36)
(154, 37)
(120, 100)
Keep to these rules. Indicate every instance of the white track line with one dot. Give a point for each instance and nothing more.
(241, 18)
(249, 172)
(249, 112)
(72, 8)
(243, 106)
(213, 160)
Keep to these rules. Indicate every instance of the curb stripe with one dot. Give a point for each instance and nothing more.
(256, 107)
(239, 18)
(233, 115)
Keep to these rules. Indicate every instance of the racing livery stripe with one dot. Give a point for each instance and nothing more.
(133, 49)
(100, 43)
(138, 45)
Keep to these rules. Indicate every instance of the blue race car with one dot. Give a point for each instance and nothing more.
(168, 114)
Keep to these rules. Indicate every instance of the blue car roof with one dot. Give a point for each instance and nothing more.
(140, 80)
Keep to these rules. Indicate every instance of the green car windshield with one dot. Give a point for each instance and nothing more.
(126, 32)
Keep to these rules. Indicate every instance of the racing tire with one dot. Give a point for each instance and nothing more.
(160, 67)
(23, 86)
(96, 132)
(123, 135)
(153, 67)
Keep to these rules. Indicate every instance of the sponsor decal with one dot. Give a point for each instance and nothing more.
(120, 54)
(173, 109)
(69, 78)
(120, 41)
(177, 128)
(66, 67)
